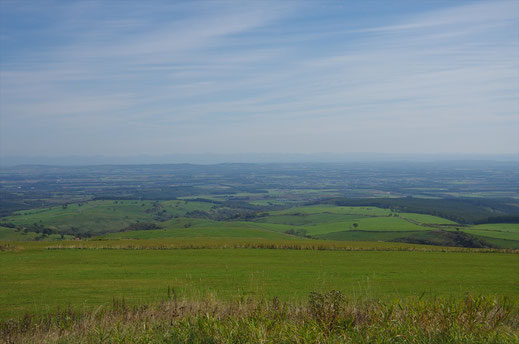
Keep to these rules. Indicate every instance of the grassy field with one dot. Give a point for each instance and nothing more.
(371, 223)
(430, 236)
(380, 224)
(199, 228)
(12, 234)
(103, 216)
(364, 235)
(318, 221)
(429, 219)
(323, 209)
(508, 231)
(35, 279)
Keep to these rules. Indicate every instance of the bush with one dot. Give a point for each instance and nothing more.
(326, 308)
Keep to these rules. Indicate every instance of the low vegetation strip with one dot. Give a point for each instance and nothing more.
(229, 243)
(328, 317)
(275, 246)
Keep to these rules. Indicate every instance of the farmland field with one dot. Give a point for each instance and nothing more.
(35, 279)
(422, 218)
(192, 228)
(103, 216)
(496, 230)
(192, 218)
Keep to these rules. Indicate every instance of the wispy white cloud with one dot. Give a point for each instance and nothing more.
(218, 71)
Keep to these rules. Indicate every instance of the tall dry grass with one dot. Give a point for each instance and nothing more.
(264, 244)
(326, 318)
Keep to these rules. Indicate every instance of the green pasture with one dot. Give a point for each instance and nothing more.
(322, 221)
(325, 209)
(39, 280)
(196, 228)
(267, 202)
(501, 243)
(493, 234)
(12, 234)
(429, 219)
(216, 198)
(306, 219)
(429, 235)
(300, 194)
(380, 224)
(317, 224)
(103, 216)
(508, 231)
(356, 235)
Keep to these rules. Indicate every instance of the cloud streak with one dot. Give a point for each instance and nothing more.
(264, 78)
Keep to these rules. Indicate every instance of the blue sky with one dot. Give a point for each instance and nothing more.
(123, 78)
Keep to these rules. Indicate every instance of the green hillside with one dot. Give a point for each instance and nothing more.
(195, 228)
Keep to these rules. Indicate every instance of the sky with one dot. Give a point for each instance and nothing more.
(124, 78)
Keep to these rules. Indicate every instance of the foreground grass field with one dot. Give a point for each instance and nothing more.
(38, 280)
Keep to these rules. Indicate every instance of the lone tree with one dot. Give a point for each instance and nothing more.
(355, 225)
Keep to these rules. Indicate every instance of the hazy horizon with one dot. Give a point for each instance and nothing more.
(84, 79)
(259, 158)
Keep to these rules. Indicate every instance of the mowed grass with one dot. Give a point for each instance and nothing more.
(509, 231)
(37, 280)
(318, 224)
(380, 224)
(354, 235)
(319, 220)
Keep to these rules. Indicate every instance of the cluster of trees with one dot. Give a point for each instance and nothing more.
(500, 219)
(298, 232)
(77, 232)
(231, 210)
(224, 214)
(39, 228)
(141, 226)
(446, 238)
(7, 224)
